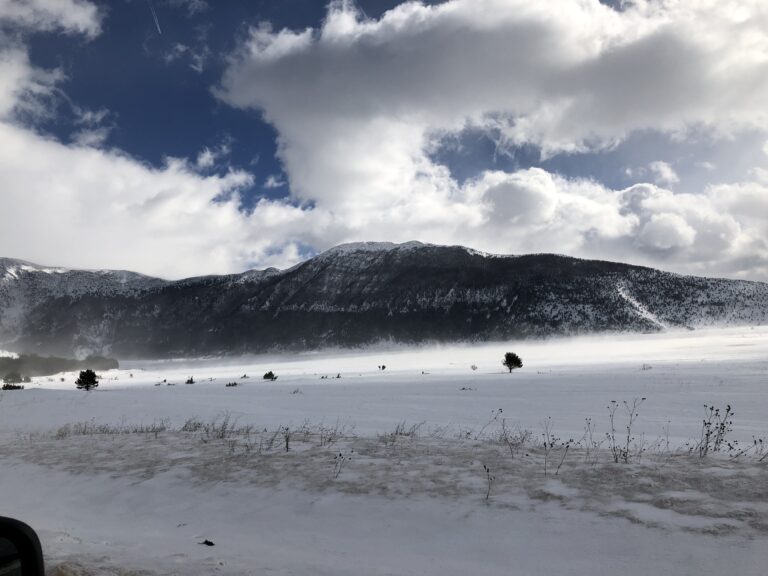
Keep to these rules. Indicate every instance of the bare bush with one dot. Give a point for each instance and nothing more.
(715, 428)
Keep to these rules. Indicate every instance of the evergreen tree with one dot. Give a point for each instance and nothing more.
(512, 361)
(87, 380)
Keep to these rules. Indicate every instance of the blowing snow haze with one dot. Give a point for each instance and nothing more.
(257, 134)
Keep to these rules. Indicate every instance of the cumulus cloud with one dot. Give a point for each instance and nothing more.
(77, 205)
(666, 231)
(564, 75)
(359, 103)
(74, 204)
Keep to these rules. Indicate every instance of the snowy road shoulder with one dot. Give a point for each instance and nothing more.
(400, 504)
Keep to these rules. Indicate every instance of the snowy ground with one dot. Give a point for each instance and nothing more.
(385, 472)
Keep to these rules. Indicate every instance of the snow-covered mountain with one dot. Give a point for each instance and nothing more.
(357, 294)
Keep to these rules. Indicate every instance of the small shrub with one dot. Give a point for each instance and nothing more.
(87, 380)
(270, 376)
(190, 380)
(12, 387)
(622, 451)
(230, 384)
(489, 479)
(340, 460)
(714, 429)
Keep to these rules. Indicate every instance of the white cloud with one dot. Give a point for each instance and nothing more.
(98, 208)
(274, 181)
(93, 128)
(208, 158)
(24, 90)
(196, 56)
(87, 117)
(666, 231)
(93, 137)
(71, 16)
(358, 104)
(663, 173)
(564, 74)
(205, 159)
(77, 205)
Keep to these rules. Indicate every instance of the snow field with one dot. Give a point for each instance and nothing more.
(385, 472)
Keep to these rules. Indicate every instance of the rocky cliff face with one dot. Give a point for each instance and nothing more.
(357, 294)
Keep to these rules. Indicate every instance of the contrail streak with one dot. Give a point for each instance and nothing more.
(154, 15)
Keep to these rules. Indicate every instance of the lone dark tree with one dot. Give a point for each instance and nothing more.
(512, 361)
(87, 380)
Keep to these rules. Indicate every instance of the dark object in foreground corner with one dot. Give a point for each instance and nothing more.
(20, 550)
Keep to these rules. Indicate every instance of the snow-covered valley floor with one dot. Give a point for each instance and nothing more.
(426, 467)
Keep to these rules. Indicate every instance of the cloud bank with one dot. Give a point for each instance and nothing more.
(359, 106)
(360, 103)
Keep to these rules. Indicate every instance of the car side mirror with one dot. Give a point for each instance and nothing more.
(20, 550)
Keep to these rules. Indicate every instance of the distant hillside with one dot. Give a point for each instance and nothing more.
(357, 294)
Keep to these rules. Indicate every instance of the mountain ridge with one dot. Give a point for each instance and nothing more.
(357, 294)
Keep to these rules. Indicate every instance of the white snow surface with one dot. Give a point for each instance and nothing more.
(128, 500)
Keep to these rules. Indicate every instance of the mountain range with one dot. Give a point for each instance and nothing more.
(354, 295)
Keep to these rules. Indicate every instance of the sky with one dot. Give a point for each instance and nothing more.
(188, 137)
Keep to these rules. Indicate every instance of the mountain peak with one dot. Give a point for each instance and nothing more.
(356, 294)
(351, 247)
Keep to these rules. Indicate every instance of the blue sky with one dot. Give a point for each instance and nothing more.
(256, 133)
